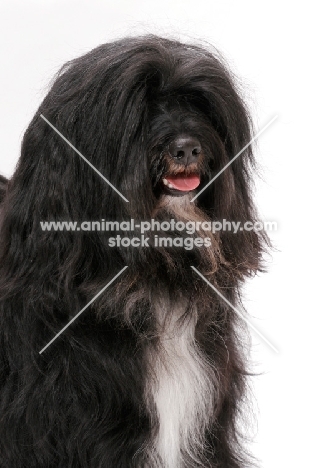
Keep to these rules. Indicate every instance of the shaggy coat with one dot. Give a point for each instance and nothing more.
(153, 373)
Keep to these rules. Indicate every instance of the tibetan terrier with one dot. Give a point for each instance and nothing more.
(153, 373)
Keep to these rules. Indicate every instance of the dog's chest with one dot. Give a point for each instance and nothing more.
(182, 389)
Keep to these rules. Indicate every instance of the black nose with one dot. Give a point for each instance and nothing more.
(185, 149)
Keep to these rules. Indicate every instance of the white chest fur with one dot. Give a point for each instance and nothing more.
(182, 387)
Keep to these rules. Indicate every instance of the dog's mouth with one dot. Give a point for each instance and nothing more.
(180, 184)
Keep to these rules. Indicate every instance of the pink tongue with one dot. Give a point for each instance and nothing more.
(184, 183)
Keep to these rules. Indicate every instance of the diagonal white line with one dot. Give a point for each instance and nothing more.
(82, 156)
(82, 310)
(235, 157)
(236, 310)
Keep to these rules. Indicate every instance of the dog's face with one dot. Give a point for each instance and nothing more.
(182, 157)
(187, 146)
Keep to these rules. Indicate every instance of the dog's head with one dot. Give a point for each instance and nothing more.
(153, 116)
(158, 119)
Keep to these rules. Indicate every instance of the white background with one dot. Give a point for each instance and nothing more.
(268, 45)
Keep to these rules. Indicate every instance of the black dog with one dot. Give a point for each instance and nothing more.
(152, 374)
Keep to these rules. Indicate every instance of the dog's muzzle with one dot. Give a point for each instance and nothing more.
(183, 174)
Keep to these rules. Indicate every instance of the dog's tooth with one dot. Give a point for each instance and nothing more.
(170, 185)
(165, 181)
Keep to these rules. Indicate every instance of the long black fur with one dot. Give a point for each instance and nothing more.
(80, 404)
(3, 186)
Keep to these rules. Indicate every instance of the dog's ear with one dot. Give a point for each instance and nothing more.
(243, 246)
(52, 183)
(213, 90)
(99, 109)
(233, 168)
(230, 200)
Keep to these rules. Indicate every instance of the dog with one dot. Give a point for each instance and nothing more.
(153, 374)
